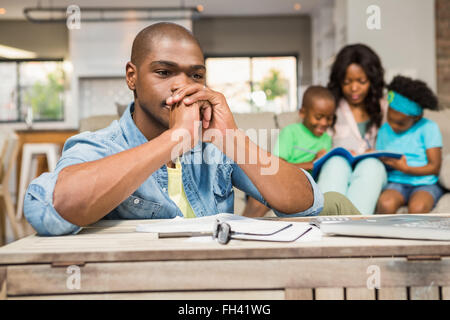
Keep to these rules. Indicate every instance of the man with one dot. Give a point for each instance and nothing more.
(122, 172)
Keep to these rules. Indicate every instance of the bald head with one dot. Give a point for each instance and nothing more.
(150, 36)
(314, 93)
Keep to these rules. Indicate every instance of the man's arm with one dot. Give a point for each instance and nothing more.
(86, 192)
(286, 189)
(281, 184)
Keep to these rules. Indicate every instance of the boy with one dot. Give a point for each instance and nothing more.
(303, 143)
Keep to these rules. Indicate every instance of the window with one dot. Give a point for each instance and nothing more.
(31, 88)
(255, 84)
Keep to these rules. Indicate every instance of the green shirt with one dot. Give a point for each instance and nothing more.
(295, 139)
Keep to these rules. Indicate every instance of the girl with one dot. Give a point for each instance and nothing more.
(414, 178)
(357, 83)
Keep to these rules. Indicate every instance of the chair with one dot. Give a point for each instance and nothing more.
(8, 157)
(29, 151)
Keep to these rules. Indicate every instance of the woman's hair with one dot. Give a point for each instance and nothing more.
(416, 91)
(369, 61)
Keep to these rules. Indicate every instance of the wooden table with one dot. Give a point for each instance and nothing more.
(115, 262)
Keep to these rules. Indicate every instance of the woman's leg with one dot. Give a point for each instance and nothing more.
(366, 183)
(335, 175)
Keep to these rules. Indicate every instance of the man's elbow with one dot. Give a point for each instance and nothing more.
(71, 213)
(44, 218)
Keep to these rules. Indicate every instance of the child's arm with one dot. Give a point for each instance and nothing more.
(310, 165)
(433, 167)
(305, 165)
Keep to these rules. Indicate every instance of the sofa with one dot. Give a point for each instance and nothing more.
(254, 121)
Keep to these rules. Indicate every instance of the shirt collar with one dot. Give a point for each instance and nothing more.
(131, 132)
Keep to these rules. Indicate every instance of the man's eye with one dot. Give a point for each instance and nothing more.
(163, 73)
(197, 76)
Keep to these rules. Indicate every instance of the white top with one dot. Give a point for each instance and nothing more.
(346, 133)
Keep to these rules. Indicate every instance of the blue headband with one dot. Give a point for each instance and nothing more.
(403, 104)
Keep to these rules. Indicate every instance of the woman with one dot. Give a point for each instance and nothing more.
(357, 83)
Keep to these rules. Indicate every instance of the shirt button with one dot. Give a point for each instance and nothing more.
(136, 201)
(164, 189)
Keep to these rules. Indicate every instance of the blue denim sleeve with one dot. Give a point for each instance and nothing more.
(243, 182)
(38, 203)
(39, 210)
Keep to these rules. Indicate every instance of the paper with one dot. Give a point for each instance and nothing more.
(237, 223)
(243, 228)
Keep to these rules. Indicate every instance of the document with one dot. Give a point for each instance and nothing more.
(242, 228)
(205, 224)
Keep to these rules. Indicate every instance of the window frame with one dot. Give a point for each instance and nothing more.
(19, 102)
(296, 55)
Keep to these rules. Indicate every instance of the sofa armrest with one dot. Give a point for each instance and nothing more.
(444, 176)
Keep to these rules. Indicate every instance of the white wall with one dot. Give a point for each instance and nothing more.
(406, 41)
(323, 40)
(101, 50)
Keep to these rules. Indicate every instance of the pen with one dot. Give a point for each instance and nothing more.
(183, 234)
(368, 143)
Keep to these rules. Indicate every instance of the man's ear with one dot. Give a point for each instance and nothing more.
(131, 73)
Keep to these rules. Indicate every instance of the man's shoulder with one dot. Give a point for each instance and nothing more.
(106, 137)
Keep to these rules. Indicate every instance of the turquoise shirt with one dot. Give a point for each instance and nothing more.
(413, 143)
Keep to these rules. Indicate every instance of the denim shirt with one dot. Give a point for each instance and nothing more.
(208, 180)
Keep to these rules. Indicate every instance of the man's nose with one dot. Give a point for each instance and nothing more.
(181, 80)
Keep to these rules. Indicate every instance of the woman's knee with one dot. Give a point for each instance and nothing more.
(371, 164)
(373, 168)
(337, 163)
